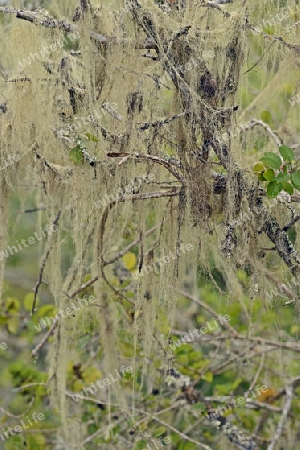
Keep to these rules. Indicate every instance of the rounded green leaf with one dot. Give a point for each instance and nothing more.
(272, 160)
(287, 153)
(269, 175)
(12, 305)
(288, 187)
(75, 155)
(45, 311)
(296, 180)
(273, 189)
(13, 325)
(282, 177)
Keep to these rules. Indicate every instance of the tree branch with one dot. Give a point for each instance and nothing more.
(45, 20)
(156, 159)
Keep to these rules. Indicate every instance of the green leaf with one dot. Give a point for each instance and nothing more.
(130, 294)
(208, 376)
(141, 445)
(288, 187)
(273, 189)
(159, 431)
(13, 325)
(261, 177)
(12, 305)
(296, 180)
(272, 160)
(287, 153)
(282, 177)
(266, 117)
(75, 155)
(259, 167)
(269, 175)
(91, 137)
(45, 310)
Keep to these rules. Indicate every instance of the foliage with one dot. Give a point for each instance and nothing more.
(281, 173)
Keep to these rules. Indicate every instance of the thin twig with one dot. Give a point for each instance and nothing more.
(261, 365)
(203, 305)
(26, 386)
(286, 408)
(172, 193)
(252, 404)
(282, 286)
(156, 159)
(111, 261)
(182, 435)
(160, 123)
(42, 208)
(255, 122)
(21, 415)
(295, 48)
(291, 223)
(39, 282)
(46, 337)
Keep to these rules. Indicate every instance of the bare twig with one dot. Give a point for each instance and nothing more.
(29, 385)
(21, 415)
(261, 365)
(260, 123)
(295, 48)
(160, 123)
(84, 286)
(182, 435)
(203, 305)
(168, 165)
(291, 223)
(42, 208)
(286, 408)
(111, 261)
(172, 193)
(39, 282)
(46, 337)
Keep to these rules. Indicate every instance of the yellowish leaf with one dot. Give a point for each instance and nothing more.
(129, 260)
(208, 376)
(91, 374)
